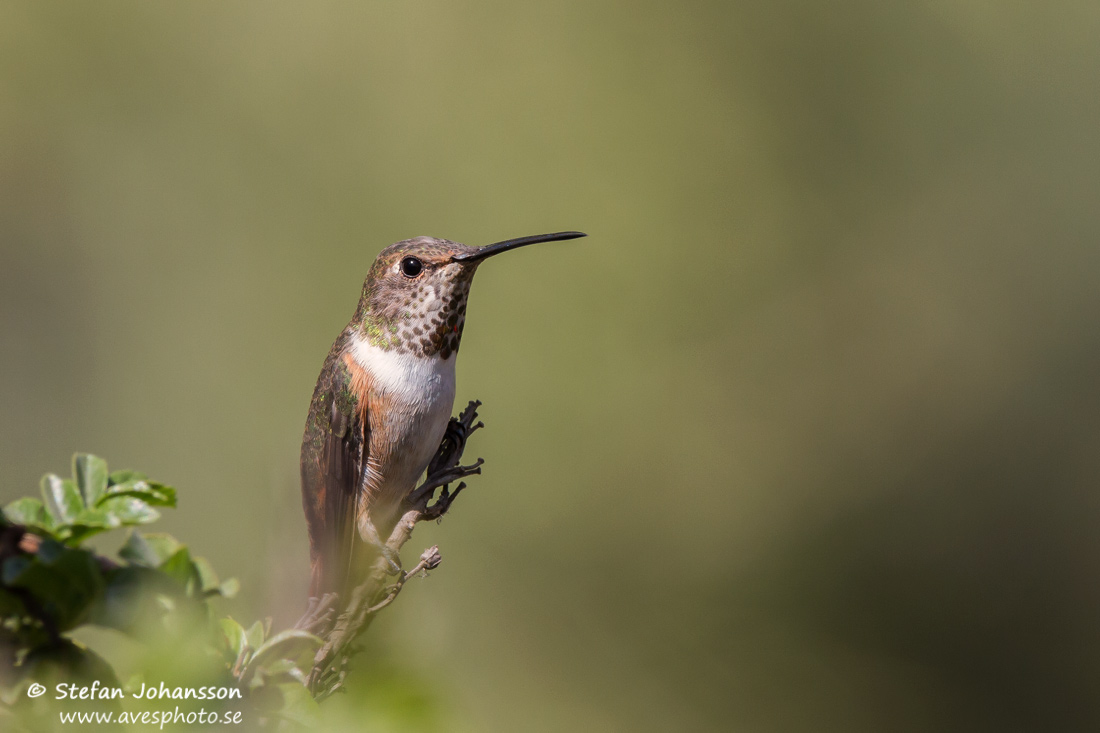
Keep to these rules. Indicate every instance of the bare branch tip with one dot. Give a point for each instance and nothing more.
(431, 558)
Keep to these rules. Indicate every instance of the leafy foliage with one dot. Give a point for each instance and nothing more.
(93, 501)
(156, 592)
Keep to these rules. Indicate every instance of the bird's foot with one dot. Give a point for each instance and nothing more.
(392, 558)
(369, 534)
(443, 503)
(459, 430)
(444, 467)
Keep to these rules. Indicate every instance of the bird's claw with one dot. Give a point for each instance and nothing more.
(459, 430)
(392, 558)
(445, 468)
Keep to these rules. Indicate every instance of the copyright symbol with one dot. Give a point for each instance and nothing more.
(36, 690)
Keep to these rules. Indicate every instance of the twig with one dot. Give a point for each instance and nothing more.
(319, 614)
(428, 561)
(341, 630)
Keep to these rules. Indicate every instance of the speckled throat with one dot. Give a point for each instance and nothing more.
(423, 316)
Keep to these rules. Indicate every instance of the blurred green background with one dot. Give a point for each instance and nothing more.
(804, 437)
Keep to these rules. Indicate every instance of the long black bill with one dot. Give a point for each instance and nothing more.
(493, 249)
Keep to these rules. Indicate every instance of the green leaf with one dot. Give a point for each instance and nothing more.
(64, 582)
(235, 636)
(229, 588)
(208, 579)
(286, 669)
(27, 510)
(179, 566)
(124, 475)
(150, 492)
(30, 512)
(63, 501)
(166, 495)
(96, 518)
(138, 551)
(182, 569)
(255, 635)
(211, 586)
(299, 707)
(69, 663)
(131, 599)
(90, 473)
(149, 550)
(293, 644)
(128, 511)
(90, 522)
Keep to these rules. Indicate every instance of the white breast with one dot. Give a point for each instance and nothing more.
(419, 394)
(408, 378)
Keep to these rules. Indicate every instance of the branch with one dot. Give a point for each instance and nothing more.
(429, 560)
(341, 630)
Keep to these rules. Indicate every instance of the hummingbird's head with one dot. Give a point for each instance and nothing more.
(414, 298)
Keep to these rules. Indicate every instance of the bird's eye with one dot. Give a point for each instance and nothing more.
(411, 267)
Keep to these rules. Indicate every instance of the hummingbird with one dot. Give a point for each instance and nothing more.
(384, 398)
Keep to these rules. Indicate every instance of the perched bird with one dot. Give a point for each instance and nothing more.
(384, 398)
